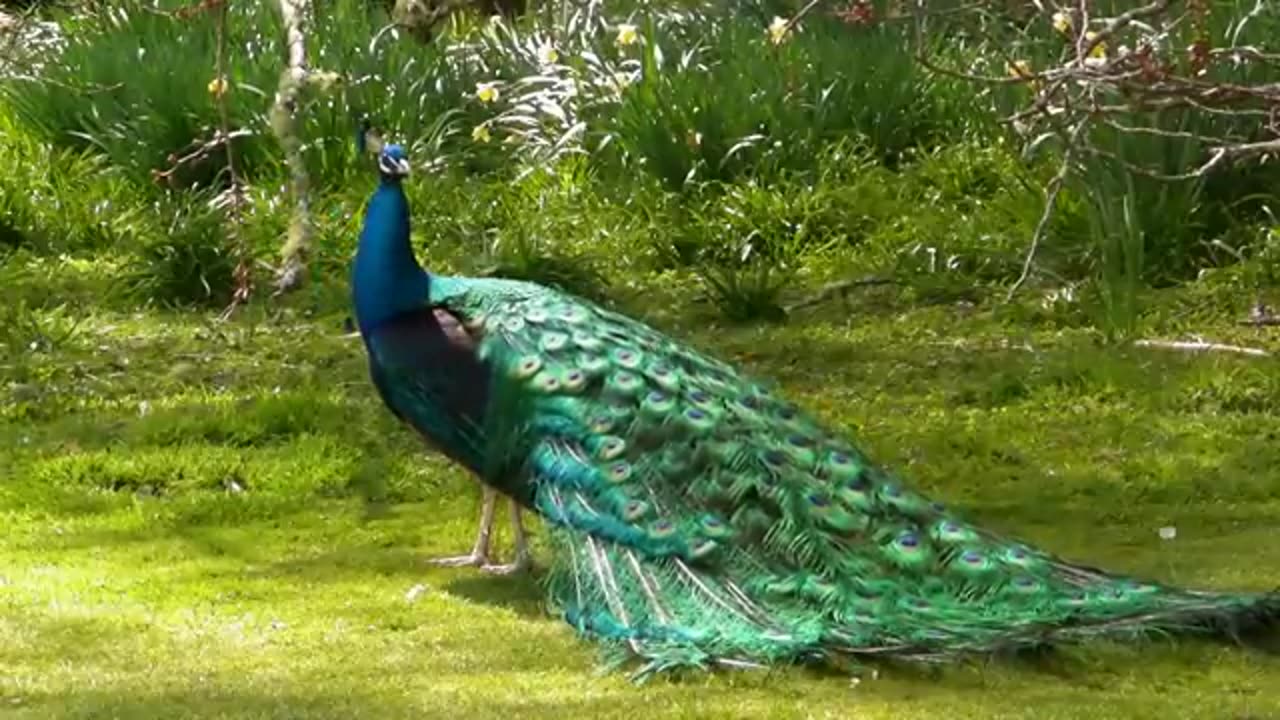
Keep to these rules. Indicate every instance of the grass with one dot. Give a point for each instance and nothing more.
(208, 519)
(222, 521)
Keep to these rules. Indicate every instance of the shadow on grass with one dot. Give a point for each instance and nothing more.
(521, 594)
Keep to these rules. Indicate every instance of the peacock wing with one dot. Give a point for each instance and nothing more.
(425, 368)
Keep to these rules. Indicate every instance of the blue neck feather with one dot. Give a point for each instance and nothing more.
(386, 278)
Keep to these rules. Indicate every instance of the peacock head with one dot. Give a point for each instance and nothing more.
(393, 162)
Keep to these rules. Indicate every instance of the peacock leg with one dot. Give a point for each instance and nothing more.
(523, 560)
(479, 556)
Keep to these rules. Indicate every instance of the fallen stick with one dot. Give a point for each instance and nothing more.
(837, 289)
(1201, 346)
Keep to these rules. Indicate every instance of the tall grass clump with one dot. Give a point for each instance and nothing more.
(58, 200)
(133, 82)
(740, 104)
(136, 84)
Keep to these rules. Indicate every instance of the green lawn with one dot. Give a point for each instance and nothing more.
(204, 521)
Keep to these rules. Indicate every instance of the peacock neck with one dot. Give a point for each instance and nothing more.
(386, 277)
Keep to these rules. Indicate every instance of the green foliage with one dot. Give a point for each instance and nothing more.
(187, 263)
(738, 105)
(132, 84)
(702, 147)
(30, 320)
(58, 201)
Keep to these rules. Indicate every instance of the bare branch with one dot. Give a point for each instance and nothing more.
(197, 152)
(1098, 81)
(1050, 202)
(285, 122)
(235, 193)
(791, 23)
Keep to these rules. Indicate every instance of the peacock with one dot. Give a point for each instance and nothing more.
(696, 517)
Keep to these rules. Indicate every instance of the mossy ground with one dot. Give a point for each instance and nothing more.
(206, 520)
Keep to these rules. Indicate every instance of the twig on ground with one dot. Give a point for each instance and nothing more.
(1271, 321)
(834, 289)
(1200, 346)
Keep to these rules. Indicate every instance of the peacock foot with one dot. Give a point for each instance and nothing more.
(522, 564)
(471, 560)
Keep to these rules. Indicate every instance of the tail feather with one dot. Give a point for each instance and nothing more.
(671, 615)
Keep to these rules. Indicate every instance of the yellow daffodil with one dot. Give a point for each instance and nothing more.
(778, 30)
(1062, 22)
(481, 134)
(218, 87)
(627, 34)
(547, 54)
(1099, 51)
(487, 92)
(1022, 69)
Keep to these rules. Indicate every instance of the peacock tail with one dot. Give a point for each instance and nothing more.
(698, 517)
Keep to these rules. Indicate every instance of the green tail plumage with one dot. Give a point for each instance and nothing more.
(700, 518)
